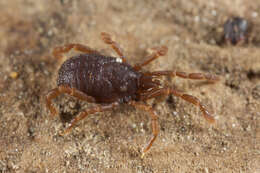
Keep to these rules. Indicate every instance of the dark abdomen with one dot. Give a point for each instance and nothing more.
(100, 77)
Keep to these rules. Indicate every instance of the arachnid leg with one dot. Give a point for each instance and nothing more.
(51, 95)
(154, 123)
(76, 93)
(65, 89)
(107, 39)
(158, 51)
(59, 51)
(82, 115)
(194, 76)
(186, 97)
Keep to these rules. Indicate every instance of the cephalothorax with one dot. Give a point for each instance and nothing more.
(109, 82)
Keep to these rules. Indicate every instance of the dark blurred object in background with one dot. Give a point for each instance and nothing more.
(236, 31)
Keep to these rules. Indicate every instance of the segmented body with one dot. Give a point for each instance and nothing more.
(101, 77)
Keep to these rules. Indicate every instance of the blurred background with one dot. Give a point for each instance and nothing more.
(112, 141)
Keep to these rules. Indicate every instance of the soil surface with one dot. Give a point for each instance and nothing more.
(112, 141)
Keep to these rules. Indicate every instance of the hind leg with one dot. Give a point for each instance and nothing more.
(82, 115)
(65, 89)
(154, 123)
(59, 51)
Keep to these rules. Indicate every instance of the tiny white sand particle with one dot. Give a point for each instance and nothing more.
(214, 12)
(196, 18)
(119, 60)
(254, 14)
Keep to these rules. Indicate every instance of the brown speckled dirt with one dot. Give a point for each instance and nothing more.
(112, 141)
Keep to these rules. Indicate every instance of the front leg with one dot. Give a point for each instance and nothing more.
(108, 40)
(158, 52)
(193, 76)
(189, 98)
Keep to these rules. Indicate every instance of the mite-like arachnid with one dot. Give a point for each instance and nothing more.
(104, 80)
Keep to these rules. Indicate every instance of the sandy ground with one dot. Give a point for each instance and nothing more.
(113, 141)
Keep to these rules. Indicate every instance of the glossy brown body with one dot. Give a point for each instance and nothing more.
(101, 77)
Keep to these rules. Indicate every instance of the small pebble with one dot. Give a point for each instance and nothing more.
(256, 92)
(14, 75)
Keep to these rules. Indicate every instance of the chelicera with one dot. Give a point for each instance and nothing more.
(110, 81)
